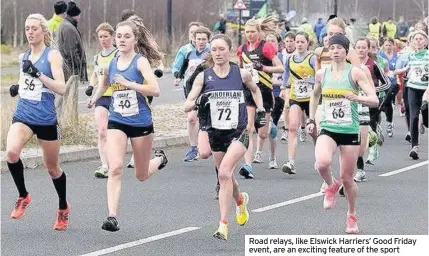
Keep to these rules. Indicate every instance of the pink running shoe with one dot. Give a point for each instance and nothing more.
(352, 227)
(330, 195)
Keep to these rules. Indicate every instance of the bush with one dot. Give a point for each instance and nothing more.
(5, 49)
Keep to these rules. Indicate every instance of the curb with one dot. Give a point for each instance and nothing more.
(33, 162)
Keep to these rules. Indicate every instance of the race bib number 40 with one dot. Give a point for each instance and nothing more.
(303, 88)
(338, 112)
(253, 72)
(125, 102)
(30, 88)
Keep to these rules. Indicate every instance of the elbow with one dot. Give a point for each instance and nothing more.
(156, 92)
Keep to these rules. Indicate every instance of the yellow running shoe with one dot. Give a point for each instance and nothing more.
(241, 212)
(222, 231)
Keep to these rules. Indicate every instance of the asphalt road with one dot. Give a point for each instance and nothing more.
(174, 212)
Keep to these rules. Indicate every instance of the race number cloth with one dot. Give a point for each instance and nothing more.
(224, 109)
(30, 88)
(338, 112)
(125, 102)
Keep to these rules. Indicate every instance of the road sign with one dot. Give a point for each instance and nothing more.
(239, 5)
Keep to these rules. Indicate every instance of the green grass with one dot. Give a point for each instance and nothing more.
(8, 79)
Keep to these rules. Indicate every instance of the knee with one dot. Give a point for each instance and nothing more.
(12, 155)
(115, 170)
(263, 134)
(192, 119)
(102, 133)
(53, 170)
(323, 164)
(347, 179)
(204, 154)
(142, 176)
(224, 175)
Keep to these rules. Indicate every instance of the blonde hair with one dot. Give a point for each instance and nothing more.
(146, 43)
(105, 27)
(44, 24)
(373, 39)
(337, 22)
(265, 26)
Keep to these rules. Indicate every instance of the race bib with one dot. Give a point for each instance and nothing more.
(303, 88)
(30, 88)
(253, 72)
(338, 112)
(224, 113)
(125, 102)
(277, 78)
(418, 74)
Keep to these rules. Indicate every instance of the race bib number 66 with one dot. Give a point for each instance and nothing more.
(338, 112)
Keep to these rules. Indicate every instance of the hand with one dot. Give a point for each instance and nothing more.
(29, 68)
(260, 120)
(311, 129)
(158, 73)
(352, 97)
(89, 90)
(177, 81)
(119, 79)
(90, 102)
(258, 65)
(13, 90)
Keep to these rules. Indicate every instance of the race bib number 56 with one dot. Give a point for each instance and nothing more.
(30, 88)
(125, 102)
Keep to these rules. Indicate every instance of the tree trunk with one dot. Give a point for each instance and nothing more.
(89, 23)
(356, 8)
(104, 10)
(15, 24)
(134, 5)
(22, 32)
(394, 10)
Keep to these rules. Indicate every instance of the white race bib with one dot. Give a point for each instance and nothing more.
(416, 74)
(30, 88)
(303, 88)
(338, 112)
(224, 113)
(125, 102)
(253, 72)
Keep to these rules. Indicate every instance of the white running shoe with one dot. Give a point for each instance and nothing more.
(273, 164)
(258, 157)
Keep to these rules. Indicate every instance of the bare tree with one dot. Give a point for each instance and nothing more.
(421, 5)
(15, 24)
(89, 23)
(104, 10)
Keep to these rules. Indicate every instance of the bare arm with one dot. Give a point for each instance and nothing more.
(151, 87)
(353, 57)
(57, 84)
(317, 91)
(370, 99)
(93, 80)
(195, 91)
(318, 52)
(254, 89)
(276, 68)
(102, 87)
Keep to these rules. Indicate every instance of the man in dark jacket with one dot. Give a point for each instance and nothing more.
(70, 44)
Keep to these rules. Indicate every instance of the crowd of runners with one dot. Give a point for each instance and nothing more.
(335, 93)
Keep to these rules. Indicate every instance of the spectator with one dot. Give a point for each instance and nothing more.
(125, 14)
(60, 9)
(307, 28)
(282, 29)
(374, 28)
(318, 27)
(325, 28)
(389, 28)
(402, 29)
(220, 25)
(71, 46)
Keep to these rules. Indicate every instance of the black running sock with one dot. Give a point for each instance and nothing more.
(360, 164)
(60, 187)
(217, 175)
(17, 172)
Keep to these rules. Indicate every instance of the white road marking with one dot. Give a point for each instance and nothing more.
(177, 90)
(289, 202)
(142, 241)
(414, 166)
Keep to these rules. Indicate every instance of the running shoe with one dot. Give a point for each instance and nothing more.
(273, 130)
(62, 220)
(273, 163)
(160, 153)
(101, 172)
(330, 198)
(131, 163)
(422, 128)
(389, 130)
(289, 168)
(111, 224)
(246, 171)
(372, 155)
(222, 231)
(302, 135)
(284, 136)
(241, 212)
(21, 204)
(191, 155)
(414, 153)
(352, 227)
(408, 137)
(360, 176)
(323, 187)
(258, 158)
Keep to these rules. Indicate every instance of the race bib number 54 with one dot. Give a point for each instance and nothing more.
(338, 112)
(125, 102)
